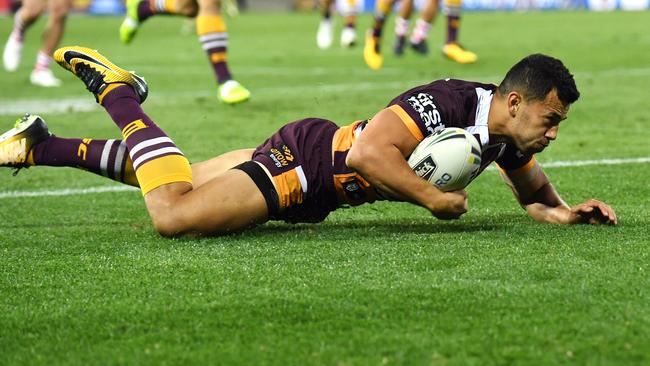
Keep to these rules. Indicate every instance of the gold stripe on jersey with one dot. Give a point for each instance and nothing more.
(163, 170)
(455, 3)
(289, 189)
(408, 121)
(206, 24)
(344, 137)
(341, 144)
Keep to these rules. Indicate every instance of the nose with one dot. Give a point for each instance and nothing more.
(551, 133)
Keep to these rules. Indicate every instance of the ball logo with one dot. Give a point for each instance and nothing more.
(425, 168)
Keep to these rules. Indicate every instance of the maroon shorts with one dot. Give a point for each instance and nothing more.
(299, 159)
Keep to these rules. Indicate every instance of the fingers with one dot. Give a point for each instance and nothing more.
(595, 212)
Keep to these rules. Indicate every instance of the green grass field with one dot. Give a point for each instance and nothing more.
(84, 279)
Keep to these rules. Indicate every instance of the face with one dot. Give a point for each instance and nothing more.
(537, 122)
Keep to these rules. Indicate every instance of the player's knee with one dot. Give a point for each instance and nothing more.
(167, 228)
(59, 13)
(167, 223)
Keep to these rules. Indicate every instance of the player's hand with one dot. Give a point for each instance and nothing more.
(593, 212)
(451, 205)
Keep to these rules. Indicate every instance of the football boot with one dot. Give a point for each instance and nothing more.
(97, 72)
(348, 37)
(371, 52)
(324, 35)
(17, 143)
(456, 52)
(131, 22)
(232, 92)
(44, 78)
(420, 47)
(12, 54)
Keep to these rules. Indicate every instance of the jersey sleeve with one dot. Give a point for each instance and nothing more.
(512, 159)
(419, 114)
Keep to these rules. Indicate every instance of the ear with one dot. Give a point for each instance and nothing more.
(514, 100)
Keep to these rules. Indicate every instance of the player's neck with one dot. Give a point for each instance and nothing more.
(498, 118)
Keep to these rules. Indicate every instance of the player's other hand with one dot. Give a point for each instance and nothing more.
(451, 205)
(593, 212)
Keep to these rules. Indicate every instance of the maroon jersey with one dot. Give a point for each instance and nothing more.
(305, 160)
(455, 103)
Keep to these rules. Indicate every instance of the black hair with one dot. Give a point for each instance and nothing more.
(536, 75)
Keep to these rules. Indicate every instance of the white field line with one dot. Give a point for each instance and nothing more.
(66, 192)
(85, 103)
(104, 189)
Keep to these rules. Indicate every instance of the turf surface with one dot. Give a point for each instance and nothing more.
(85, 280)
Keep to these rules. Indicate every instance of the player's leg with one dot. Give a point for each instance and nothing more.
(418, 39)
(137, 11)
(452, 49)
(204, 171)
(25, 16)
(213, 35)
(372, 48)
(30, 143)
(227, 202)
(402, 25)
(349, 32)
(325, 33)
(57, 14)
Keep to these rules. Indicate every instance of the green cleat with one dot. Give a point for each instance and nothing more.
(131, 22)
(97, 72)
(17, 143)
(232, 92)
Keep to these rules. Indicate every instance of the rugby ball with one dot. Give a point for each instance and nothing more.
(449, 159)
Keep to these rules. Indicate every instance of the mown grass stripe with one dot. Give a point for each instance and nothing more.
(105, 189)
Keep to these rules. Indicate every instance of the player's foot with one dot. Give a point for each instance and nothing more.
(400, 42)
(324, 35)
(456, 52)
(44, 78)
(232, 92)
(16, 143)
(97, 72)
(131, 22)
(348, 37)
(371, 52)
(12, 53)
(420, 47)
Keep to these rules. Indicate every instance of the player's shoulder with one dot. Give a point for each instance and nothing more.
(446, 87)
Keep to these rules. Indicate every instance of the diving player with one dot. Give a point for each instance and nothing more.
(210, 28)
(311, 167)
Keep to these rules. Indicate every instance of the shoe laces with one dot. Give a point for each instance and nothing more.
(93, 79)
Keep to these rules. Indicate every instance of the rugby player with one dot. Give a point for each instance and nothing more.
(25, 17)
(311, 167)
(418, 40)
(210, 28)
(324, 36)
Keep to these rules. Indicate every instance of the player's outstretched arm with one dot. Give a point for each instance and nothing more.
(541, 201)
(379, 155)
